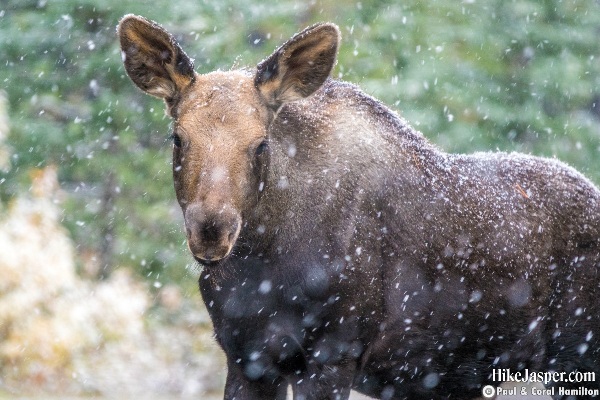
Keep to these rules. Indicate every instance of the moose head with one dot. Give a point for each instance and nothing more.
(221, 122)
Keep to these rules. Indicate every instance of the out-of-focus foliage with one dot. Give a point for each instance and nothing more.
(64, 334)
(4, 151)
(472, 75)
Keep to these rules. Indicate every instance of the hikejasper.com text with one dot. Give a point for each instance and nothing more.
(527, 376)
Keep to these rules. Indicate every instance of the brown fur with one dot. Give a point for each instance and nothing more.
(343, 250)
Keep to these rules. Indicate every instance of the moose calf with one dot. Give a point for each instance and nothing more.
(341, 250)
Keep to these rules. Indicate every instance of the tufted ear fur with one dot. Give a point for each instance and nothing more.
(153, 59)
(300, 66)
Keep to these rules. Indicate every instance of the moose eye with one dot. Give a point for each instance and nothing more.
(262, 147)
(176, 139)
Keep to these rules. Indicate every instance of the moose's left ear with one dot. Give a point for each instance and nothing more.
(300, 66)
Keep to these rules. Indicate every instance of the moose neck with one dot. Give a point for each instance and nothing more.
(327, 153)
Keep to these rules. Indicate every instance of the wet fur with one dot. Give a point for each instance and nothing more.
(460, 235)
(372, 260)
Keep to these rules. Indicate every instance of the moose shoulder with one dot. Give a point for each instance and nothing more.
(343, 251)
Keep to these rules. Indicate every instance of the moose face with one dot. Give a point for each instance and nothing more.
(220, 155)
(221, 122)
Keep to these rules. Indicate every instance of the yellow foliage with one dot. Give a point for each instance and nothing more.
(48, 315)
(63, 334)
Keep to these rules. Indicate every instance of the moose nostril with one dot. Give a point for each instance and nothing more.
(210, 232)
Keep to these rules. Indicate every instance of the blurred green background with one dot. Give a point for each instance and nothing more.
(472, 75)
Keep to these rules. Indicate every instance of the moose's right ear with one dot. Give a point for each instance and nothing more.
(153, 59)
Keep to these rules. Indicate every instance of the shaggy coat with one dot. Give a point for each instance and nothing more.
(343, 251)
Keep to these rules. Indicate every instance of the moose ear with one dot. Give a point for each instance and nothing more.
(153, 59)
(300, 66)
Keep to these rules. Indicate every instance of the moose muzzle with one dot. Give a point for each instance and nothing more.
(211, 233)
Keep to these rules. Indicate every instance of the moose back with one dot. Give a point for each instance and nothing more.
(341, 250)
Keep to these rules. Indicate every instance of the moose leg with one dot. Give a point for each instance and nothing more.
(328, 382)
(239, 387)
(575, 355)
(574, 334)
